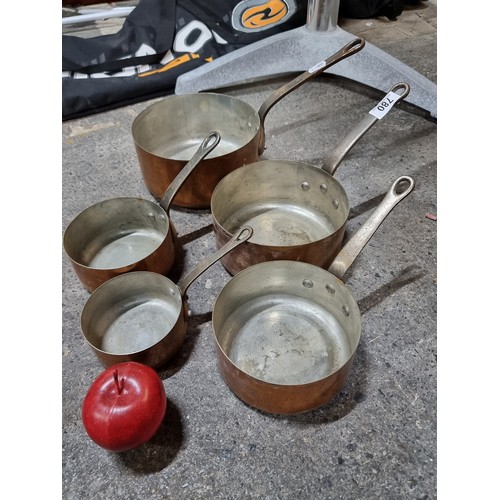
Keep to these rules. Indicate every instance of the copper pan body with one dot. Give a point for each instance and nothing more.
(297, 211)
(283, 343)
(122, 235)
(286, 331)
(164, 134)
(135, 233)
(139, 316)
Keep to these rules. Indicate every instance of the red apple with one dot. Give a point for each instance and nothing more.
(124, 406)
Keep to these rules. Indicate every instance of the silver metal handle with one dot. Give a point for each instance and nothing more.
(243, 235)
(208, 144)
(353, 247)
(346, 144)
(349, 49)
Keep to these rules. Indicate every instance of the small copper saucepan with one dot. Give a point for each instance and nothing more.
(122, 235)
(297, 210)
(166, 132)
(286, 331)
(142, 316)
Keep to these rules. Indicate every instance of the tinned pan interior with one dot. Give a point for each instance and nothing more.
(287, 203)
(116, 233)
(174, 127)
(136, 316)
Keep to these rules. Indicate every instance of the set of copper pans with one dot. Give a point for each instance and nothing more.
(285, 325)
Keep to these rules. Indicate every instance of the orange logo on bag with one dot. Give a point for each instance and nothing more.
(252, 16)
(262, 15)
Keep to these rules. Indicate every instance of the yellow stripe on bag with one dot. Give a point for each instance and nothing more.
(172, 64)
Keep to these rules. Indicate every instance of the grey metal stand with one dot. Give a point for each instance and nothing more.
(299, 49)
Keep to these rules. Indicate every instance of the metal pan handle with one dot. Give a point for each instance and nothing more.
(208, 144)
(375, 115)
(243, 235)
(353, 247)
(348, 50)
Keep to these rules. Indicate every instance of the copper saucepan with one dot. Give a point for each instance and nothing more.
(298, 211)
(286, 331)
(127, 234)
(142, 316)
(166, 132)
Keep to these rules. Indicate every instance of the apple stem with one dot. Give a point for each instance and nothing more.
(119, 387)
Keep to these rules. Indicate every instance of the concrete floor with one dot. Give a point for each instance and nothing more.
(377, 437)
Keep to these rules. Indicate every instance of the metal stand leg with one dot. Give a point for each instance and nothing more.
(299, 49)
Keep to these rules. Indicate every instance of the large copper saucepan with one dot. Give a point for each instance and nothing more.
(166, 132)
(121, 235)
(298, 211)
(142, 316)
(286, 331)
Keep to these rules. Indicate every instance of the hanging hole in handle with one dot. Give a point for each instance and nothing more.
(211, 140)
(356, 45)
(349, 49)
(403, 185)
(401, 86)
(245, 233)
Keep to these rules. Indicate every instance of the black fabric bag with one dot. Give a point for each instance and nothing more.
(159, 41)
(364, 9)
